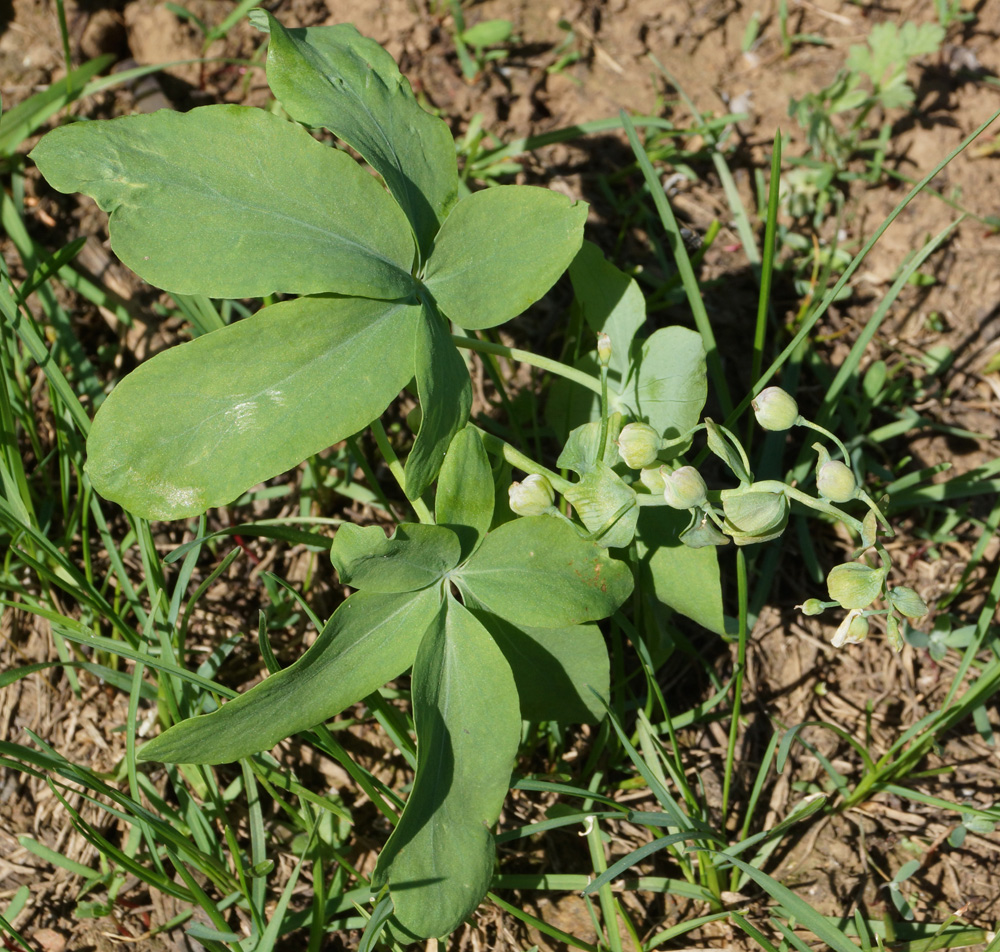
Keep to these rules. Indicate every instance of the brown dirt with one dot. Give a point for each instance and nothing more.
(794, 675)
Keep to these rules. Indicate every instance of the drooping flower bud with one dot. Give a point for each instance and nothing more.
(638, 444)
(892, 633)
(811, 606)
(775, 409)
(684, 488)
(836, 482)
(852, 630)
(603, 348)
(753, 517)
(652, 478)
(532, 497)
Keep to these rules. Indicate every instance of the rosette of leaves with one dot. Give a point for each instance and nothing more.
(518, 640)
(234, 202)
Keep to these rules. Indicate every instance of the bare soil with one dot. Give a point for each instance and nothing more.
(839, 863)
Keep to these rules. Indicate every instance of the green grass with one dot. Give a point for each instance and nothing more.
(260, 852)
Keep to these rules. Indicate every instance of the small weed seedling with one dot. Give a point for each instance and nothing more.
(836, 119)
(492, 594)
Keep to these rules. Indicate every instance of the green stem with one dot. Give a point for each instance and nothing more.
(396, 468)
(604, 413)
(741, 657)
(871, 504)
(802, 421)
(518, 460)
(527, 357)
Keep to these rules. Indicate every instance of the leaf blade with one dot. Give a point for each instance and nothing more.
(370, 639)
(194, 426)
(231, 202)
(334, 77)
(537, 571)
(439, 860)
(500, 250)
(445, 393)
(413, 557)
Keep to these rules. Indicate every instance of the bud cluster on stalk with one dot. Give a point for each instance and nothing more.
(749, 513)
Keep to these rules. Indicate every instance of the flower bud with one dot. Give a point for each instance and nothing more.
(811, 606)
(684, 488)
(755, 516)
(835, 481)
(852, 630)
(603, 348)
(892, 634)
(533, 497)
(775, 409)
(652, 478)
(638, 444)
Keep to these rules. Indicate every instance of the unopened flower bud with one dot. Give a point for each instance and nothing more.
(684, 488)
(892, 633)
(638, 444)
(652, 478)
(852, 630)
(603, 348)
(811, 606)
(836, 482)
(533, 497)
(775, 409)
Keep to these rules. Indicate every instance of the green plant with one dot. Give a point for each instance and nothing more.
(484, 34)
(494, 614)
(836, 118)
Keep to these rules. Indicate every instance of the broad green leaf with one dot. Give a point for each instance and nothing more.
(683, 578)
(369, 640)
(854, 584)
(500, 250)
(200, 423)
(668, 386)
(234, 202)
(610, 301)
(413, 557)
(445, 393)
(581, 449)
(464, 499)
(557, 670)
(439, 860)
(332, 76)
(537, 571)
(606, 506)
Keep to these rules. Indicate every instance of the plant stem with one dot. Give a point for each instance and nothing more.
(802, 421)
(396, 468)
(604, 414)
(741, 657)
(517, 459)
(527, 357)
